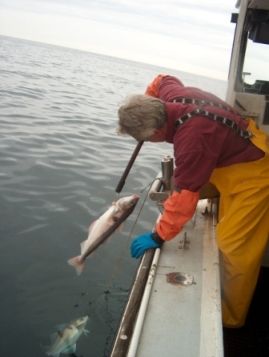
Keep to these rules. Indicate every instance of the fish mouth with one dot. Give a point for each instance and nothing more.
(82, 321)
(135, 198)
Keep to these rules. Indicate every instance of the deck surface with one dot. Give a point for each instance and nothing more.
(185, 321)
(180, 319)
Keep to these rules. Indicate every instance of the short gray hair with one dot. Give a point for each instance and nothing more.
(139, 115)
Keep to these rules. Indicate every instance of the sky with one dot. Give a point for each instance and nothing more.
(193, 36)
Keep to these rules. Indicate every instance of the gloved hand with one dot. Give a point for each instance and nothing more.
(141, 243)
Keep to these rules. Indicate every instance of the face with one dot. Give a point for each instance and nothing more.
(158, 136)
(81, 321)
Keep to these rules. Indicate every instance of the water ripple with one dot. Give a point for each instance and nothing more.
(60, 162)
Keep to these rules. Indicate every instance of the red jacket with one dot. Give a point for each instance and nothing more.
(200, 145)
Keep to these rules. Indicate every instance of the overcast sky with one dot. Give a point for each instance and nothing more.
(188, 35)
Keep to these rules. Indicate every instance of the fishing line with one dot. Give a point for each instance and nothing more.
(148, 187)
(119, 260)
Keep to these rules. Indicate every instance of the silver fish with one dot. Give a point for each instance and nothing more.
(103, 227)
(65, 339)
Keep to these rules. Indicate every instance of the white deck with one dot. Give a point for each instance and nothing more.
(185, 321)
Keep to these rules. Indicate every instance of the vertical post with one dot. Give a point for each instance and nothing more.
(167, 172)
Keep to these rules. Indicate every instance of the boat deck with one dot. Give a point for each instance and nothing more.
(185, 319)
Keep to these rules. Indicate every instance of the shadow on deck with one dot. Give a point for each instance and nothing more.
(252, 340)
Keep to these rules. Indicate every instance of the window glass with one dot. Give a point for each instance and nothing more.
(255, 73)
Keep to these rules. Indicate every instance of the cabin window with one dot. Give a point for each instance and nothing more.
(255, 53)
(255, 74)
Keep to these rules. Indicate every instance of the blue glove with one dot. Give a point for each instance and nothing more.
(141, 243)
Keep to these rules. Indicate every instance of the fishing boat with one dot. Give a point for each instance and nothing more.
(174, 307)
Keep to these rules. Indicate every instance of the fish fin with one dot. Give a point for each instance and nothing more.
(86, 332)
(59, 333)
(54, 336)
(116, 209)
(77, 264)
(70, 349)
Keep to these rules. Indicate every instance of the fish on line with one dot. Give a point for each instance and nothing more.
(103, 227)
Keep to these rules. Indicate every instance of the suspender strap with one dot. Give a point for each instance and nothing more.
(201, 102)
(245, 134)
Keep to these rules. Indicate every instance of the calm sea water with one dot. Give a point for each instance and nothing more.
(60, 161)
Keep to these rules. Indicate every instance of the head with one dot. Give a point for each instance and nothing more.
(80, 322)
(141, 116)
(127, 201)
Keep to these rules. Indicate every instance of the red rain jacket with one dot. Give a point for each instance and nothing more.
(200, 145)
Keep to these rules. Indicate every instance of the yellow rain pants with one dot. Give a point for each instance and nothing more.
(243, 228)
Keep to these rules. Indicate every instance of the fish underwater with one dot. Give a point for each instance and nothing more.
(65, 339)
(103, 227)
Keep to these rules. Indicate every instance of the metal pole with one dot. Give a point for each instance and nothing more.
(125, 330)
(143, 306)
(128, 167)
(167, 172)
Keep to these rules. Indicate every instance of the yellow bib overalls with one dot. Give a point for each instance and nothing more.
(243, 228)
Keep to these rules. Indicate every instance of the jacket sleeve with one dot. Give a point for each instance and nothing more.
(153, 87)
(178, 209)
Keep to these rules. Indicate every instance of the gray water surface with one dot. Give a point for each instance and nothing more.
(60, 161)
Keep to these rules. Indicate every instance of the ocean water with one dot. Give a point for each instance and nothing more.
(60, 161)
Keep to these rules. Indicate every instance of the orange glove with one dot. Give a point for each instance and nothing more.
(178, 209)
(153, 87)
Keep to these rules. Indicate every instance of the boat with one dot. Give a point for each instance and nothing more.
(174, 307)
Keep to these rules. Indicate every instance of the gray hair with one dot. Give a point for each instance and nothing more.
(140, 115)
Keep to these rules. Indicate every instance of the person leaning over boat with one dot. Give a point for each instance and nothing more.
(212, 143)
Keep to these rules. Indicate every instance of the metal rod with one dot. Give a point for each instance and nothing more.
(128, 167)
(125, 330)
(167, 171)
(155, 187)
(143, 306)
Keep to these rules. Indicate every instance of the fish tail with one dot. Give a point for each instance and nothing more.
(77, 263)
